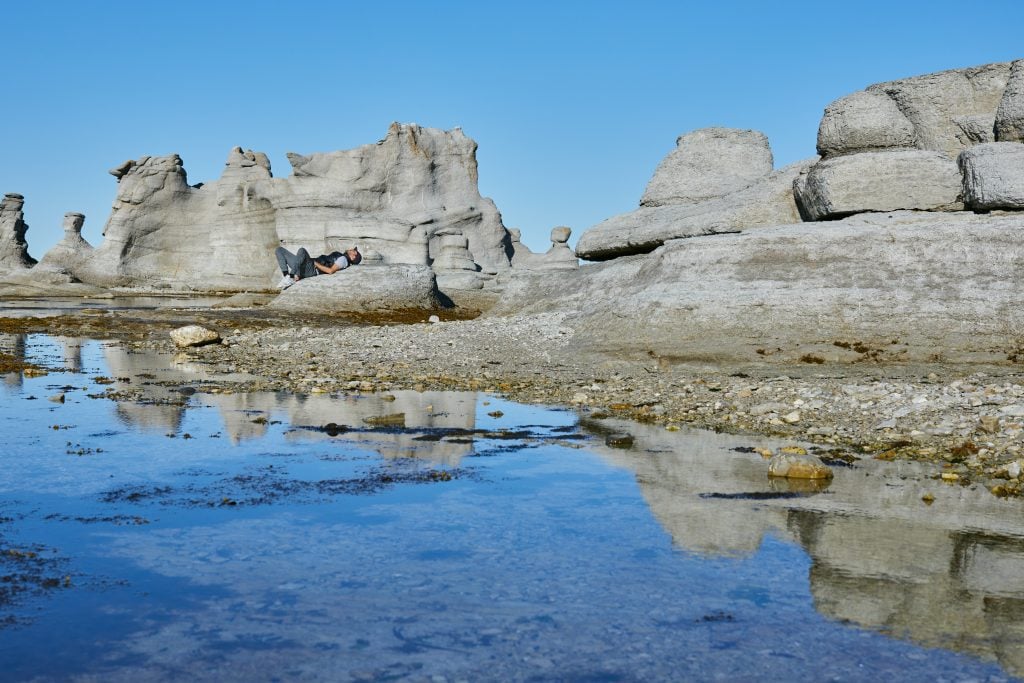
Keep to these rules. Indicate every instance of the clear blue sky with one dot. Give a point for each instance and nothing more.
(572, 103)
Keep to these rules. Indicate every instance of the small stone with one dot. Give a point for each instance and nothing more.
(57, 398)
(672, 428)
(928, 499)
(1014, 410)
(619, 440)
(793, 450)
(793, 466)
(495, 413)
(764, 452)
(950, 476)
(579, 398)
(791, 418)
(194, 335)
(434, 319)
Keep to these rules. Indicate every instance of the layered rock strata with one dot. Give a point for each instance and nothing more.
(399, 198)
(929, 283)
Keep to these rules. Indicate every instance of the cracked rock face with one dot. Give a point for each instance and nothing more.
(13, 247)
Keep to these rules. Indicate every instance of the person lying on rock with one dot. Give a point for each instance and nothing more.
(299, 265)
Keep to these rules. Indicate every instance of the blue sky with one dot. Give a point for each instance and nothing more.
(572, 103)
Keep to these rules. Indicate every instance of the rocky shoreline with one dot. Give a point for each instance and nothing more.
(968, 420)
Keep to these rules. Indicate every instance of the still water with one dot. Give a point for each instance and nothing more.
(187, 535)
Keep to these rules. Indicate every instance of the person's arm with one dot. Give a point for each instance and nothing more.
(325, 270)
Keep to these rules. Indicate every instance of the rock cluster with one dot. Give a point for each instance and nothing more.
(716, 180)
(895, 145)
(559, 257)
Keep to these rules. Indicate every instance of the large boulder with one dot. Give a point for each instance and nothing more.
(909, 284)
(993, 176)
(13, 247)
(1009, 123)
(707, 164)
(767, 202)
(363, 289)
(879, 181)
(865, 120)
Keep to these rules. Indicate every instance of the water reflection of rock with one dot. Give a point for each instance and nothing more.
(431, 410)
(161, 406)
(948, 575)
(13, 345)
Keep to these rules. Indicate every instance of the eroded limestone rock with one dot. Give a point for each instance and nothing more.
(993, 176)
(13, 247)
(707, 164)
(73, 251)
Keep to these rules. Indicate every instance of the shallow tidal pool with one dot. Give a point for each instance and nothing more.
(179, 534)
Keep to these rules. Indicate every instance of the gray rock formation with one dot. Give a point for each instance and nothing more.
(707, 164)
(56, 273)
(363, 288)
(1009, 122)
(792, 289)
(879, 181)
(765, 203)
(398, 198)
(867, 141)
(993, 176)
(163, 233)
(559, 257)
(13, 247)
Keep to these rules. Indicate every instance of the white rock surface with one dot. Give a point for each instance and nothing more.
(879, 181)
(363, 289)
(1009, 121)
(767, 202)
(709, 163)
(993, 175)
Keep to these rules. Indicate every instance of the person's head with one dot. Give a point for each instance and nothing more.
(354, 257)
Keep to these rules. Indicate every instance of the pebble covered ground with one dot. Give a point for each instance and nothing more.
(968, 420)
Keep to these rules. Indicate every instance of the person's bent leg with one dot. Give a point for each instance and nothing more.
(304, 264)
(286, 260)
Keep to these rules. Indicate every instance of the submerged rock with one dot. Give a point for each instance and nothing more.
(797, 466)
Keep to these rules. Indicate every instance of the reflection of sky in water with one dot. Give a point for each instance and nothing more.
(543, 560)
